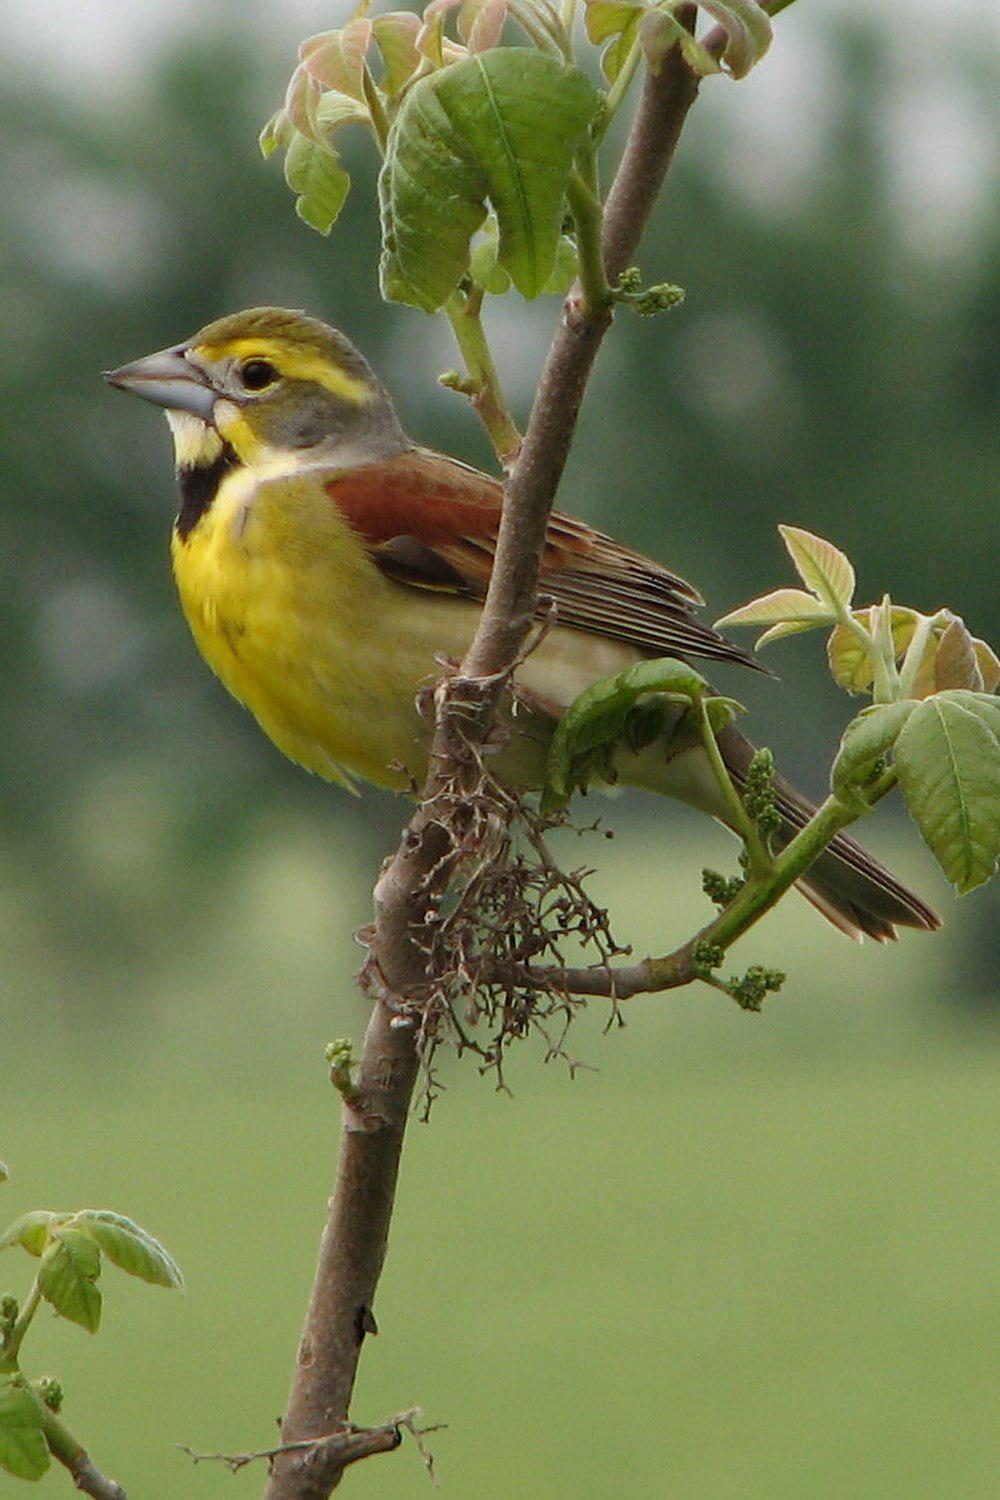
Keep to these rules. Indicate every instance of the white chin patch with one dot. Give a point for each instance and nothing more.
(195, 442)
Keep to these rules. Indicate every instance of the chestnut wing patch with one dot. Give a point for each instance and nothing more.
(431, 522)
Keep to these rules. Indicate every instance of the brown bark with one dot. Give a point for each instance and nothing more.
(353, 1245)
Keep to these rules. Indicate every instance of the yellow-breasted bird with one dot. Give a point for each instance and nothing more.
(326, 563)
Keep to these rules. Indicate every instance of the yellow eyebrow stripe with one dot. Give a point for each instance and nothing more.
(294, 364)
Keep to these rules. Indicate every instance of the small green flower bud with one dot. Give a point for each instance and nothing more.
(707, 955)
(51, 1392)
(718, 889)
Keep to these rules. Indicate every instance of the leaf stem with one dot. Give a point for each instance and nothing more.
(588, 217)
(915, 653)
(618, 90)
(758, 856)
(464, 310)
(22, 1323)
(380, 123)
(762, 891)
(885, 686)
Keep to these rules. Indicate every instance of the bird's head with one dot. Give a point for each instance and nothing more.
(265, 383)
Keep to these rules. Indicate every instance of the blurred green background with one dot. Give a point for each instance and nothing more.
(746, 1257)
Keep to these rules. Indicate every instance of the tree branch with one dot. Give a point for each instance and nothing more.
(74, 1457)
(353, 1244)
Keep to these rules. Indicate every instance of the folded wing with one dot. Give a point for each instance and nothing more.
(431, 522)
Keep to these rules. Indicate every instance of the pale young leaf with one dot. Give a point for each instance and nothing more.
(822, 567)
(301, 100)
(781, 630)
(336, 109)
(989, 664)
(438, 49)
(659, 31)
(31, 1230)
(277, 132)
(396, 35)
(336, 59)
(779, 606)
(849, 662)
(748, 33)
(480, 22)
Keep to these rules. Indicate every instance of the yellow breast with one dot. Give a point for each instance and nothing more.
(328, 655)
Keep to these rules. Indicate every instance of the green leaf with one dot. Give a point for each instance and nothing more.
(612, 19)
(985, 706)
(565, 267)
(316, 176)
(31, 1230)
(822, 567)
(480, 22)
(948, 761)
(597, 722)
(501, 127)
(66, 1276)
(129, 1246)
(866, 739)
(23, 1450)
(483, 264)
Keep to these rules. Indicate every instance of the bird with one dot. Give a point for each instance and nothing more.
(327, 565)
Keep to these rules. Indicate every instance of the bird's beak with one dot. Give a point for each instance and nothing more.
(167, 379)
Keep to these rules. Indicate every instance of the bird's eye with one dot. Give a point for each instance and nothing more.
(258, 374)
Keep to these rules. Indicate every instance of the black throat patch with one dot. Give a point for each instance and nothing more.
(199, 485)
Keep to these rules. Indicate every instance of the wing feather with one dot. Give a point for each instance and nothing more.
(431, 522)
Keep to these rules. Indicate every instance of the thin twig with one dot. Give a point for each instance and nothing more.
(348, 1445)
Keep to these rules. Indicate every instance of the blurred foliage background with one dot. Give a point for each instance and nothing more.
(745, 1258)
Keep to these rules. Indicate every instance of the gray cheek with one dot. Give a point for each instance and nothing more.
(311, 428)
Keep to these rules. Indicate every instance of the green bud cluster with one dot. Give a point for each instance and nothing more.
(758, 794)
(340, 1053)
(708, 956)
(646, 301)
(750, 990)
(9, 1309)
(720, 889)
(50, 1391)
